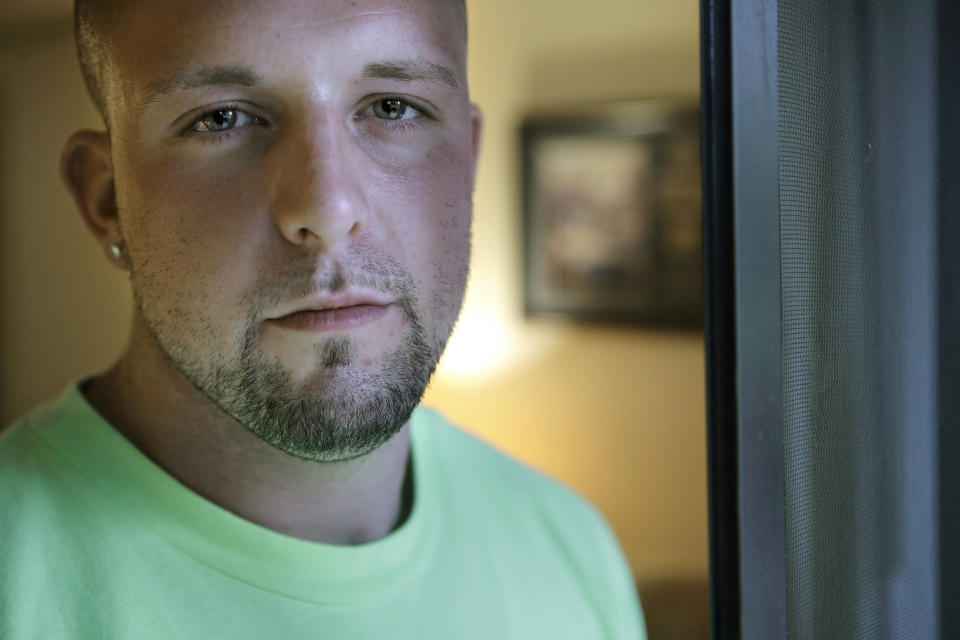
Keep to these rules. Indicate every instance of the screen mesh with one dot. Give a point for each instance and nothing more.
(857, 167)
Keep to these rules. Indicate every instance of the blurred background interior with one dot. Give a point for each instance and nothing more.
(615, 411)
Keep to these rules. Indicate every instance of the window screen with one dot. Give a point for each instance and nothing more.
(858, 217)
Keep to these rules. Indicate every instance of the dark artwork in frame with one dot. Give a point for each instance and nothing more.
(612, 210)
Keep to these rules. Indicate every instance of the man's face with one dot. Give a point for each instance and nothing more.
(293, 182)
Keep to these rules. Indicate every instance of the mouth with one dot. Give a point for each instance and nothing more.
(333, 313)
(336, 319)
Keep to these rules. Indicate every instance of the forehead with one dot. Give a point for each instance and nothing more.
(157, 38)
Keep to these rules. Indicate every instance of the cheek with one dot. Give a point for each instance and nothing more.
(199, 202)
(425, 208)
(184, 230)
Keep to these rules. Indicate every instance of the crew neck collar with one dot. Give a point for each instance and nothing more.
(155, 502)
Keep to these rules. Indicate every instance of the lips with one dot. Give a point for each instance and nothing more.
(332, 319)
(341, 311)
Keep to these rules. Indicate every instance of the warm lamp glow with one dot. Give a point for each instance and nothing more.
(479, 347)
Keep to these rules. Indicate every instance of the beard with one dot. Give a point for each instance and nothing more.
(340, 411)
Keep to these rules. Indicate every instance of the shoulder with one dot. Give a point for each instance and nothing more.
(544, 527)
(526, 504)
(42, 489)
(37, 479)
(25, 458)
(38, 489)
(478, 466)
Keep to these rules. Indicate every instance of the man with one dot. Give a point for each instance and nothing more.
(288, 185)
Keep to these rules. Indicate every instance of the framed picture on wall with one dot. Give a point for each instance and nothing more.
(612, 214)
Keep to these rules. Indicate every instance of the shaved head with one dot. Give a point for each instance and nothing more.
(96, 20)
(288, 184)
(92, 19)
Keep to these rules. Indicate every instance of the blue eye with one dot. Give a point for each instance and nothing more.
(394, 109)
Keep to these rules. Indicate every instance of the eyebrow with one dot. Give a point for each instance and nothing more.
(216, 76)
(222, 76)
(412, 70)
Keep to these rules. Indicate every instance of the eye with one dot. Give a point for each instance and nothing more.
(222, 120)
(394, 109)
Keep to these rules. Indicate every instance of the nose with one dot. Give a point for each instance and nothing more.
(319, 197)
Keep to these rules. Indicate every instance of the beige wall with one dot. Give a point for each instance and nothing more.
(616, 413)
(63, 310)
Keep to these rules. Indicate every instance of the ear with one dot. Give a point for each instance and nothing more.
(476, 125)
(87, 171)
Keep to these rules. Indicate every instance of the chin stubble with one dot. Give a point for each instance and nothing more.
(339, 413)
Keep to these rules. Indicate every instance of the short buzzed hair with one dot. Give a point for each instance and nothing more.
(94, 19)
(90, 21)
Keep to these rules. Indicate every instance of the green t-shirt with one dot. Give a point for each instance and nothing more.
(96, 541)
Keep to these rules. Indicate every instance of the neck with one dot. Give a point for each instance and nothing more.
(149, 401)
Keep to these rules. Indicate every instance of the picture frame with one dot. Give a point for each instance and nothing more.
(612, 214)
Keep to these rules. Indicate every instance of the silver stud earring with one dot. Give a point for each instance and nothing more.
(116, 251)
